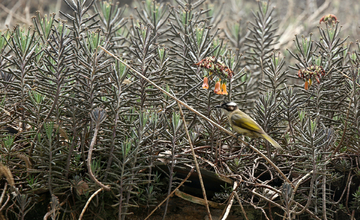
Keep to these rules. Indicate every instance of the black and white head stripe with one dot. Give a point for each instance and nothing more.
(233, 104)
(229, 106)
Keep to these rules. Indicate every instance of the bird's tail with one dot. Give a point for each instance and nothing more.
(272, 141)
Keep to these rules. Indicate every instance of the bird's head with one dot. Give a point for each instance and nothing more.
(228, 107)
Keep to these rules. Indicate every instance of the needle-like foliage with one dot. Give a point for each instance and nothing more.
(88, 135)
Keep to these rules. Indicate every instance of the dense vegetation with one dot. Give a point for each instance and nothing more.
(77, 121)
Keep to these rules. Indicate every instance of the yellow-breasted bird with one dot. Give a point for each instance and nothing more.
(244, 124)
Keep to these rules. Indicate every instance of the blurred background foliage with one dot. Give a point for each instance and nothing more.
(294, 17)
(74, 120)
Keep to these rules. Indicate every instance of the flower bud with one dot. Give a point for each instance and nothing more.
(217, 89)
(205, 84)
(223, 87)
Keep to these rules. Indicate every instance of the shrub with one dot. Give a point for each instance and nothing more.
(77, 121)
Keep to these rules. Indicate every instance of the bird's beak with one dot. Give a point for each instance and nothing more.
(218, 106)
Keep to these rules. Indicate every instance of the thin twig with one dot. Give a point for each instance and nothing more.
(349, 78)
(299, 182)
(6, 202)
(196, 163)
(2, 197)
(202, 116)
(267, 199)
(308, 211)
(88, 202)
(187, 177)
(3, 194)
(241, 206)
(91, 148)
(230, 203)
(185, 94)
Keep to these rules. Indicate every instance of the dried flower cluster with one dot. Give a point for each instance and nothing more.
(329, 19)
(220, 69)
(310, 73)
(215, 66)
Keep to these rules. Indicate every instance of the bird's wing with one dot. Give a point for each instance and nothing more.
(246, 122)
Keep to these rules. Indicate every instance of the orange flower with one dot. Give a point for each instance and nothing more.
(217, 89)
(205, 84)
(223, 87)
(306, 85)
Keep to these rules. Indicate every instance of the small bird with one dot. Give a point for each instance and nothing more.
(244, 124)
